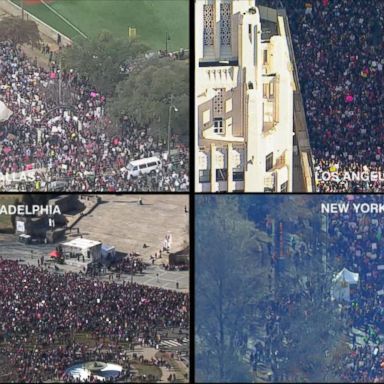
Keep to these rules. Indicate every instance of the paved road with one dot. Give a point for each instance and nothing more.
(120, 221)
(12, 249)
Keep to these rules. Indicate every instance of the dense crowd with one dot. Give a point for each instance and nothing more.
(69, 147)
(31, 365)
(338, 48)
(129, 265)
(49, 310)
(358, 243)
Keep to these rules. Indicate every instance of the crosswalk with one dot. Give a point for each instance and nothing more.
(173, 344)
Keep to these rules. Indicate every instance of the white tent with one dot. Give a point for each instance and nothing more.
(341, 284)
(5, 112)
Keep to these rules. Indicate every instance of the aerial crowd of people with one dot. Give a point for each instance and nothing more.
(50, 311)
(357, 241)
(46, 145)
(338, 47)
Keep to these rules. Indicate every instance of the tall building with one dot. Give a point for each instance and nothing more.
(244, 98)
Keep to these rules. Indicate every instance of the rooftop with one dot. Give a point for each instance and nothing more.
(81, 243)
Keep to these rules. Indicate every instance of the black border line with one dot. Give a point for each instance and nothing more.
(192, 190)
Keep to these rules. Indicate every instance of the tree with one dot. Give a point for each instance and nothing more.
(99, 59)
(313, 322)
(19, 31)
(145, 97)
(228, 279)
(37, 199)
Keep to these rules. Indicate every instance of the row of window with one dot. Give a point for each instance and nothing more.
(221, 175)
(283, 188)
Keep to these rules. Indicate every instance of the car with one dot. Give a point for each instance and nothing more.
(148, 165)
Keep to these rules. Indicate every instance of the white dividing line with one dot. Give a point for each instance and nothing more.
(64, 19)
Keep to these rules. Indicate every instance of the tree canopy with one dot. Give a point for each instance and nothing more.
(99, 59)
(227, 282)
(145, 97)
(233, 269)
(19, 31)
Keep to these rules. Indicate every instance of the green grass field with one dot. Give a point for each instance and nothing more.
(152, 19)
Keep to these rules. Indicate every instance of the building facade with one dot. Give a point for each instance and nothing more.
(243, 99)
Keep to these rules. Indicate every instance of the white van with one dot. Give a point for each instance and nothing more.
(143, 166)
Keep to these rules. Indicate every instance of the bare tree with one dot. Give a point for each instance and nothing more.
(19, 31)
(229, 276)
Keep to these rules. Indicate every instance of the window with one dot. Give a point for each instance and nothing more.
(221, 174)
(218, 125)
(206, 116)
(153, 164)
(265, 57)
(238, 175)
(204, 176)
(142, 166)
(265, 90)
(269, 162)
(271, 89)
(228, 105)
(284, 187)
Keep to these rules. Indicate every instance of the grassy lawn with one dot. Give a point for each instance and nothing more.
(151, 18)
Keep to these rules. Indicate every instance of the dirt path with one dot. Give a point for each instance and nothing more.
(36, 54)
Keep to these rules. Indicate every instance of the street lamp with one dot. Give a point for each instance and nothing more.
(172, 106)
(167, 38)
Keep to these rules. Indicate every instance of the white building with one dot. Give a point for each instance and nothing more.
(244, 99)
(90, 249)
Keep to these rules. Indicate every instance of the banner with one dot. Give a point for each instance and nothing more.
(5, 112)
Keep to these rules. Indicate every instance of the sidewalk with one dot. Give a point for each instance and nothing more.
(35, 53)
